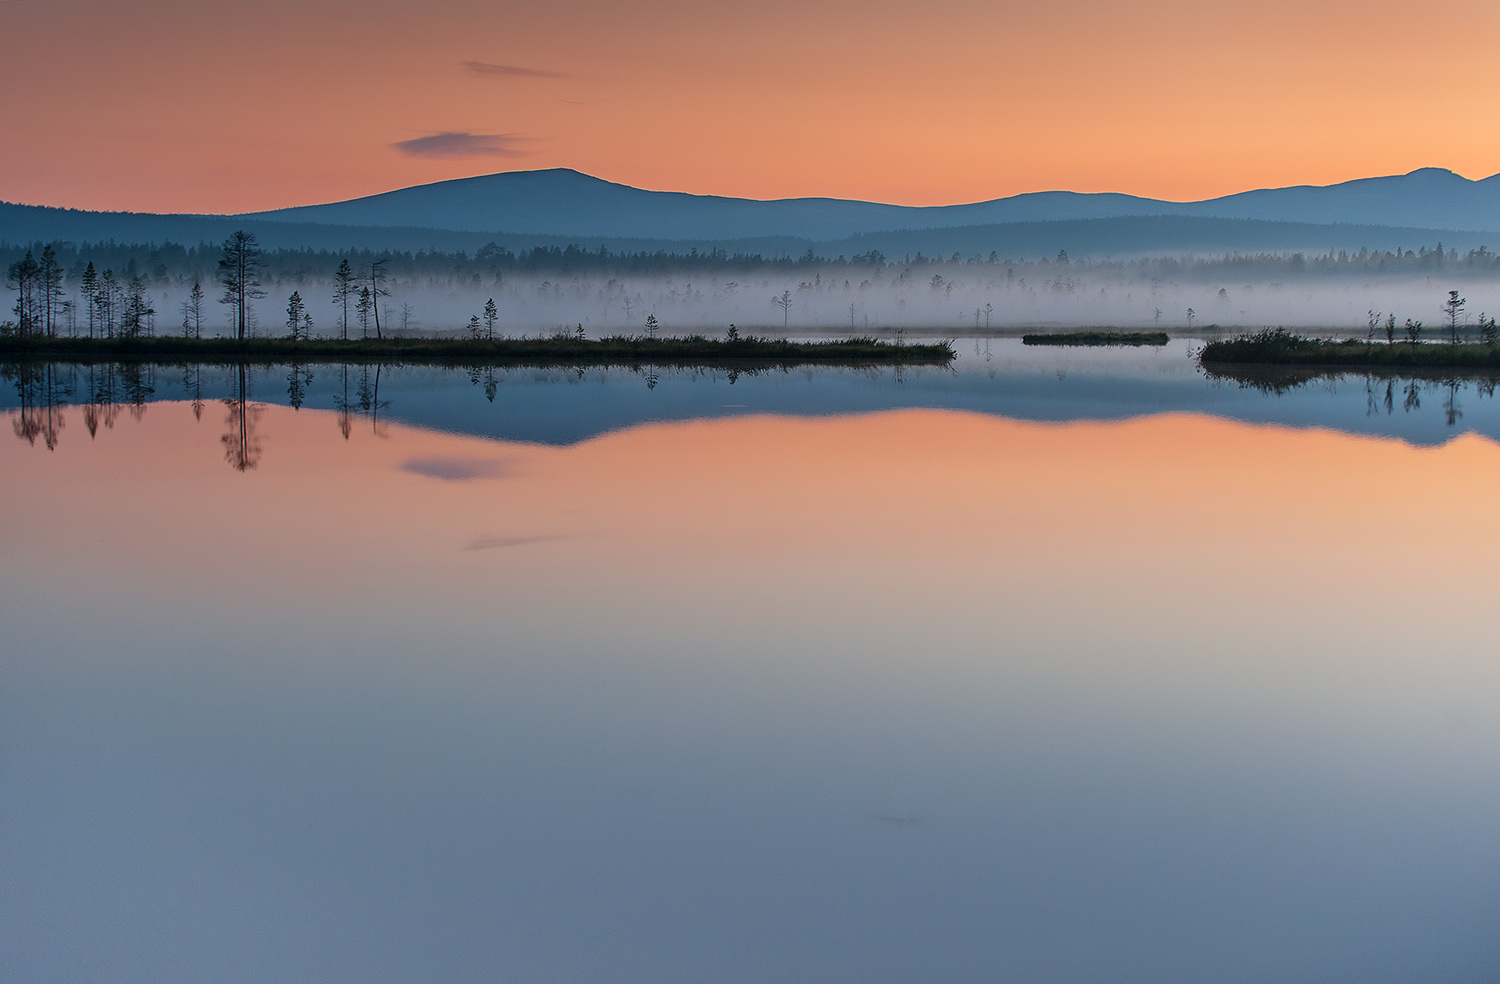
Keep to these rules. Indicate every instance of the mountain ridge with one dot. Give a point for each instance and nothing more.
(566, 202)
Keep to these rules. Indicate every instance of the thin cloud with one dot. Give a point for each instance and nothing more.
(452, 144)
(488, 70)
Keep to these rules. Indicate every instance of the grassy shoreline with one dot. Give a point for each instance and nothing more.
(1279, 347)
(558, 350)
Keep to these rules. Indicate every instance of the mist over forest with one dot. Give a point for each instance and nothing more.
(546, 289)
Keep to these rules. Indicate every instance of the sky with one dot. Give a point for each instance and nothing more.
(210, 107)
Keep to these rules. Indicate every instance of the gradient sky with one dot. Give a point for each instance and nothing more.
(177, 106)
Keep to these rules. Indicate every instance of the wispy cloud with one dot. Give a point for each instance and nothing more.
(451, 144)
(488, 70)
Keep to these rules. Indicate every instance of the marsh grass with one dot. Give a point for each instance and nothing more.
(1280, 347)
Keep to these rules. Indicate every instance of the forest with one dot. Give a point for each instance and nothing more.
(63, 289)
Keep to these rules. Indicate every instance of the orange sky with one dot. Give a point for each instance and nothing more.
(176, 106)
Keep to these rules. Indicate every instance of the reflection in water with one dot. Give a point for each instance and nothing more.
(41, 396)
(241, 438)
(1281, 381)
(914, 695)
(298, 378)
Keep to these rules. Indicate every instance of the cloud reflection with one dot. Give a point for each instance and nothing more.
(456, 469)
(494, 542)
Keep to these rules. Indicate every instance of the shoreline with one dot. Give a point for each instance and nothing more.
(554, 351)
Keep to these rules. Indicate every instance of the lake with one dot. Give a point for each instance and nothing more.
(1061, 665)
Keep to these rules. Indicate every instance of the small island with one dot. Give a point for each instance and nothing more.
(1096, 338)
(560, 349)
(1282, 348)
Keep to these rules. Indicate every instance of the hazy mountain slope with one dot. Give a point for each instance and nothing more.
(1118, 236)
(563, 202)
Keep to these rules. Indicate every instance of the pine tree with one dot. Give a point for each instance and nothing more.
(294, 312)
(343, 289)
(50, 273)
(362, 312)
(192, 311)
(491, 315)
(89, 284)
(239, 268)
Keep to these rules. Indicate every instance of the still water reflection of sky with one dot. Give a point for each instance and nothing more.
(1089, 671)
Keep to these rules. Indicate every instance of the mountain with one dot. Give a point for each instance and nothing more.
(563, 202)
(523, 209)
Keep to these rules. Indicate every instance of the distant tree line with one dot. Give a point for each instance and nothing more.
(104, 289)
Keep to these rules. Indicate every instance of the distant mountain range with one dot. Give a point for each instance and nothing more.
(563, 202)
(555, 207)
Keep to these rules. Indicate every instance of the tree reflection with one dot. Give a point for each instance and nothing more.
(1451, 410)
(42, 397)
(368, 394)
(341, 405)
(297, 381)
(241, 441)
(192, 381)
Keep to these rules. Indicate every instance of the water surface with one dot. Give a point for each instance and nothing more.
(1057, 667)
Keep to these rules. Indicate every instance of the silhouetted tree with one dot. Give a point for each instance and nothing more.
(476, 330)
(135, 319)
(362, 312)
(1489, 333)
(785, 303)
(651, 326)
(192, 312)
(1390, 329)
(343, 289)
(1452, 308)
(108, 301)
(24, 277)
(50, 283)
(239, 269)
(89, 284)
(295, 310)
(491, 315)
(1413, 331)
(377, 291)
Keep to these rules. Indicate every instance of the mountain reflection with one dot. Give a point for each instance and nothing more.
(568, 404)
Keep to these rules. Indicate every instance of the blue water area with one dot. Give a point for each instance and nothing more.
(998, 376)
(662, 677)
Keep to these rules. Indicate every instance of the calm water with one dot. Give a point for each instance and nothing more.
(1062, 666)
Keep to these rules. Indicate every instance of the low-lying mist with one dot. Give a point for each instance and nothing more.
(551, 290)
